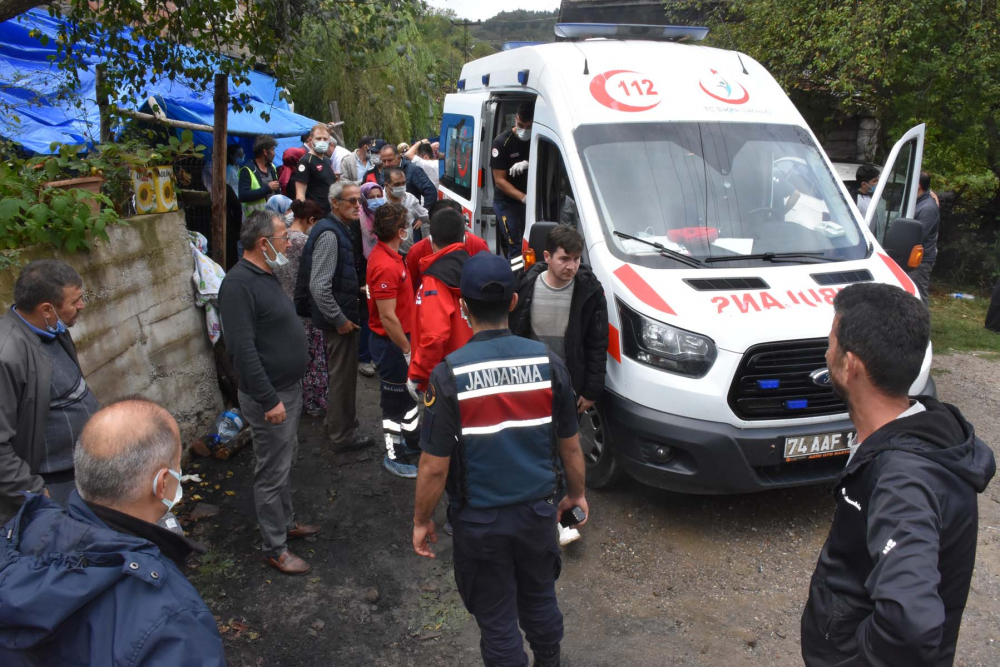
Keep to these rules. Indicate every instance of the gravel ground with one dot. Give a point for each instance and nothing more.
(658, 579)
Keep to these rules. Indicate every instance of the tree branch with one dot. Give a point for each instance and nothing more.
(11, 8)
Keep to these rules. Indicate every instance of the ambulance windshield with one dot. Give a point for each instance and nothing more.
(717, 190)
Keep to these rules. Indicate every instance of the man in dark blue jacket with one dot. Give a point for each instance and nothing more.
(102, 583)
(417, 183)
(893, 577)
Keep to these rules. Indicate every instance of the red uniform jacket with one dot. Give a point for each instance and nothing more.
(439, 327)
(422, 248)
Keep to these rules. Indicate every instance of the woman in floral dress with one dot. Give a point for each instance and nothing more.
(315, 384)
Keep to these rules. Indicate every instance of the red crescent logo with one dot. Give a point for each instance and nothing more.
(599, 91)
(742, 100)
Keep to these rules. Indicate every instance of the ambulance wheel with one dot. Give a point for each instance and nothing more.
(603, 469)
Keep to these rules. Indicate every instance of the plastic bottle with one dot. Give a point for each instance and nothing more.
(960, 295)
(227, 426)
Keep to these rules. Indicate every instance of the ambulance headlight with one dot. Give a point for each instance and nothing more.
(664, 346)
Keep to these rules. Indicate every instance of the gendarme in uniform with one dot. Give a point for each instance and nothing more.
(496, 407)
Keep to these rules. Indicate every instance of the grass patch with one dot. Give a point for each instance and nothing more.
(957, 324)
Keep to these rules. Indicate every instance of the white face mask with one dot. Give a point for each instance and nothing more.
(398, 192)
(177, 496)
(407, 233)
(279, 259)
(522, 133)
(321, 146)
(289, 218)
(376, 160)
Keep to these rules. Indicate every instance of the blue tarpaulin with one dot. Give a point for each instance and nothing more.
(34, 118)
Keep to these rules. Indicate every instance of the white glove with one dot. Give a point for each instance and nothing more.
(518, 168)
(408, 356)
(411, 387)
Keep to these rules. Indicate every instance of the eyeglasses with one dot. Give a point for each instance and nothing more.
(277, 238)
(351, 200)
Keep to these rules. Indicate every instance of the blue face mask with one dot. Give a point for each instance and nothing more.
(57, 329)
(375, 203)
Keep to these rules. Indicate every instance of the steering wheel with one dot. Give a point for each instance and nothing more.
(772, 212)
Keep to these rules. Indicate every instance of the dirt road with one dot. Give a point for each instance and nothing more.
(659, 578)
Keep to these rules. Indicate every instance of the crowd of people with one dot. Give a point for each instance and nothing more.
(353, 267)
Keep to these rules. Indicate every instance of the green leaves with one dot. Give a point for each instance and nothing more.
(31, 212)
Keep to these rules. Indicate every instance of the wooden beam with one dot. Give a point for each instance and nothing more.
(336, 124)
(221, 99)
(150, 118)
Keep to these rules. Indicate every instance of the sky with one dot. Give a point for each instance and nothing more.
(482, 9)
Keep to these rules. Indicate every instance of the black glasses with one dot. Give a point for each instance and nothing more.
(351, 200)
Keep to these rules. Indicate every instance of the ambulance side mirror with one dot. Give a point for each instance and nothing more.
(901, 238)
(536, 238)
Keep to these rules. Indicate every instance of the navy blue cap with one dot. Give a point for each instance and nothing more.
(487, 277)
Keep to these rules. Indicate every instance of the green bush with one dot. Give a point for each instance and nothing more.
(33, 212)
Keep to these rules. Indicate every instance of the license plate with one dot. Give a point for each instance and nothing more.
(819, 445)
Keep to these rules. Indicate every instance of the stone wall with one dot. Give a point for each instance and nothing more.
(141, 332)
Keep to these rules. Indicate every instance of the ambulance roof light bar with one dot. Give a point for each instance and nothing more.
(573, 32)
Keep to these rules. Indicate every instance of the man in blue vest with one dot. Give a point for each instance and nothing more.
(330, 281)
(500, 432)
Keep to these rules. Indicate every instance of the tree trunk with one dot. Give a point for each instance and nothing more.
(11, 8)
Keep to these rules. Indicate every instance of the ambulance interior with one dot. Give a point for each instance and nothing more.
(717, 192)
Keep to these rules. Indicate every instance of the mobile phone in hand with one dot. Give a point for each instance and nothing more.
(572, 517)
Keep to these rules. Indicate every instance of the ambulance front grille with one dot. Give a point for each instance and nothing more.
(773, 382)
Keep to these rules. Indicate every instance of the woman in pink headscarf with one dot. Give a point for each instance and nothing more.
(371, 198)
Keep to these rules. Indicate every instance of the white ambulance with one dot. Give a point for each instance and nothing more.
(719, 230)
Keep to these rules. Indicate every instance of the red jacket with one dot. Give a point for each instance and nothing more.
(439, 327)
(422, 248)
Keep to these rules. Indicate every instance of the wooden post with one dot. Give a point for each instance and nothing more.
(101, 87)
(338, 125)
(219, 169)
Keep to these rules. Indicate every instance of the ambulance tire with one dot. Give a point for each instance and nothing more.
(603, 469)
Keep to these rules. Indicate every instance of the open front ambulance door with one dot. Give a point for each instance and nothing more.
(895, 195)
(462, 147)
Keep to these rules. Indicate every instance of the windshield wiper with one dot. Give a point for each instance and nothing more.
(664, 250)
(775, 257)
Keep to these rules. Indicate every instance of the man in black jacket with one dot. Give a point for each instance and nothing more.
(561, 303)
(893, 577)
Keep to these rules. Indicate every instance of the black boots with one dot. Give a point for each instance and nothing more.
(548, 657)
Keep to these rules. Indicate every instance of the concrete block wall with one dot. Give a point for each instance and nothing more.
(141, 332)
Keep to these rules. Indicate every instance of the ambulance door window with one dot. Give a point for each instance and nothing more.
(555, 200)
(457, 135)
(896, 192)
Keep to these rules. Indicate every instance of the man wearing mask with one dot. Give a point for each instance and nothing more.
(509, 164)
(416, 215)
(101, 583)
(893, 578)
(315, 173)
(44, 399)
(390, 302)
(268, 346)
(867, 178)
(417, 182)
(337, 154)
(328, 290)
(259, 178)
(928, 214)
(356, 165)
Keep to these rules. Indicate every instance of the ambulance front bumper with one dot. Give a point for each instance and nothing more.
(713, 458)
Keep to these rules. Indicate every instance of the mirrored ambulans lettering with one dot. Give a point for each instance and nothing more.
(765, 300)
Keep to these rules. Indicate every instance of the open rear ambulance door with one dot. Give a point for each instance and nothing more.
(462, 147)
(895, 195)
